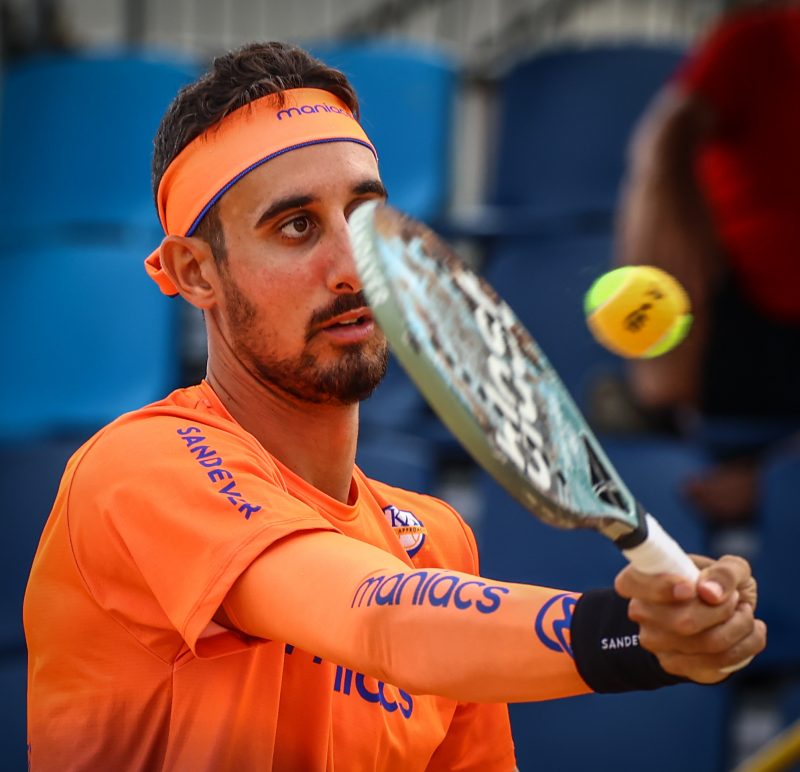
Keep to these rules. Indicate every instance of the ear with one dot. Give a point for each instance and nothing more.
(189, 262)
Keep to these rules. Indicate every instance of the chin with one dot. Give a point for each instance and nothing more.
(356, 376)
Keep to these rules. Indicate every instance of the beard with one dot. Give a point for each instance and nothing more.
(353, 377)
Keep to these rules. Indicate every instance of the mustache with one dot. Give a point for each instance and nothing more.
(340, 305)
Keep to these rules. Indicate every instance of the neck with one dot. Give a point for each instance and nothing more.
(316, 441)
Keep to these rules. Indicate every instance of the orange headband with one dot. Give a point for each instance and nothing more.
(239, 143)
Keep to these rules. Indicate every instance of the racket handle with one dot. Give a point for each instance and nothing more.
(659, 553)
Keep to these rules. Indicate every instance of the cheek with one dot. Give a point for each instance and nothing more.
(281, 293)
(282, 316)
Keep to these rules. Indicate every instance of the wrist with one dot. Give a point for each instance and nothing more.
(605, 644)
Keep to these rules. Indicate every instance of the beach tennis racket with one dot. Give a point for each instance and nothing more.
(492, 386)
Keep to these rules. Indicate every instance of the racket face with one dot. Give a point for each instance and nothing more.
(484, 375)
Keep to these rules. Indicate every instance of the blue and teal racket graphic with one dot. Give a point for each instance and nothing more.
(493, 387)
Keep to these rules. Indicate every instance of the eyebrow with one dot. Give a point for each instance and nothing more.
(299, 201)
(371, 186)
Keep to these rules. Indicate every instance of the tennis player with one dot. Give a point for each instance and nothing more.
(219, 587)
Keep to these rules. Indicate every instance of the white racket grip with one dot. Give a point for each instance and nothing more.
(659, 553)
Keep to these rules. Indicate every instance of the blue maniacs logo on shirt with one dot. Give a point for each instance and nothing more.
(553, 622)
(408, 527)
(438, 589)
(369, 689)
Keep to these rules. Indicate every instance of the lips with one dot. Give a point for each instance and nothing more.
(349, 319)
(349, 328)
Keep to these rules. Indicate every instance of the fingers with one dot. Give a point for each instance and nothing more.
(703, 630)
(719, 580)
(683, 620)
(660, 588)
(738, 666)
(657, 588)
(722, 577)
(714, 640)
(712, 668)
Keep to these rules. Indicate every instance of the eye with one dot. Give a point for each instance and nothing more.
(296, 228)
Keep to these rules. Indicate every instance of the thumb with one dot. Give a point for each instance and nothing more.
(711, 591)
(721, 579)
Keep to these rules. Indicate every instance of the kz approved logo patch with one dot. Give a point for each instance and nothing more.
(408, 527)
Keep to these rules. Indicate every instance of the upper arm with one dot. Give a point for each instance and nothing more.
(301, 589)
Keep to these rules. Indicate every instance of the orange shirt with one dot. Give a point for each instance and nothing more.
(155, 519)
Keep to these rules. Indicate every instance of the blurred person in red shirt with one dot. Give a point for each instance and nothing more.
(713, 197)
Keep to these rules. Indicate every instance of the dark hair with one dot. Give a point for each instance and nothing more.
(235, 79)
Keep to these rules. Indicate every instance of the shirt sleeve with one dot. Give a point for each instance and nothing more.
(165, 514)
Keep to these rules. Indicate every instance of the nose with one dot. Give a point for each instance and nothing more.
(342, 275)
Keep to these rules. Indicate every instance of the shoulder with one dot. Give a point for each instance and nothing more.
(193, 477)
(168, 447)
(170, 430)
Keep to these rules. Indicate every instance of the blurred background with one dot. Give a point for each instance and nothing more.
(506, 125)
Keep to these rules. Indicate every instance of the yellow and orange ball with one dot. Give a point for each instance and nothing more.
(638, 311)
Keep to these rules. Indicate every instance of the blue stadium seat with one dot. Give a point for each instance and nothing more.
(92, 337)
(29, 476)
(676, 728)
(76, 138)
(775, 565)
(407, 95)
(775, 710)
(729, 436)
(89, 337)
(13, 687)
(30, 472)
(565, 119)
(790, 714)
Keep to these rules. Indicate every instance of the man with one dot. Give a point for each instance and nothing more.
(219, 587)
(712, 196)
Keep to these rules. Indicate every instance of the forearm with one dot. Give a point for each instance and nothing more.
(436, 631)
(466, 638)
(427, 631)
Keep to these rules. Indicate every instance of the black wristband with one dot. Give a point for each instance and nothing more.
(605, 644)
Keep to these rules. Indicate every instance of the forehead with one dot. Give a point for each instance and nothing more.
(324, 172)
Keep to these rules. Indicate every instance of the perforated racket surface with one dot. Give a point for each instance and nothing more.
(493, 387)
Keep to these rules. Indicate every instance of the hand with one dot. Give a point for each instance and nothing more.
(701, 631)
